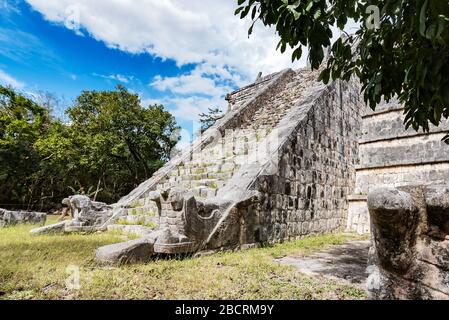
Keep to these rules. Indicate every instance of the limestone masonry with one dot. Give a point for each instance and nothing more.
(8, 218)
(391, 156)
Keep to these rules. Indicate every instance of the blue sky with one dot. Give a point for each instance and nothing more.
(184, 54)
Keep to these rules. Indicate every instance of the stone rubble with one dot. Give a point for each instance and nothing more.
(8, 218)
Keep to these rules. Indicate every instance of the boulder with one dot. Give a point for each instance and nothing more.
(133, 251)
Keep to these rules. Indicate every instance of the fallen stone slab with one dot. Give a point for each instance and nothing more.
(53, 228)
(344, 263)
(8, 218)
(129, 252)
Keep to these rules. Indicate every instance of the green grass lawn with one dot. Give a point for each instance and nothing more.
(34, 267)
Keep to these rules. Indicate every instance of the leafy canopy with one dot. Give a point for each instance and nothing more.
(404, 54)
(22, 123)
(110, 144)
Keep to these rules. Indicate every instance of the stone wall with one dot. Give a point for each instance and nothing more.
(391, 156)
(358, 216)
(316, 172)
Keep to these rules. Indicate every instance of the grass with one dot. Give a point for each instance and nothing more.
(35, 268)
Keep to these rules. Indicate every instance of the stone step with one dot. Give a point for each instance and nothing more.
(210, 183)
(138, 210)
(139, 220)
(228, 166)
(204, 192)
(207, 172)
(135, 230)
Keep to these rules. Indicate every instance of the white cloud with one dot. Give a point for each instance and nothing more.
(115, 77)
(8, 80)
(188, 108)
(192, 31)
(201, 32)
(148, 102)
(200, 81)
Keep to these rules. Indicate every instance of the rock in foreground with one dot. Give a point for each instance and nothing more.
(410, 254)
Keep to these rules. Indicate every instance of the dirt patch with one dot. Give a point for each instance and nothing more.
(346, 263)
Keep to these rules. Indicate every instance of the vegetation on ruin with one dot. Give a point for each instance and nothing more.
(208, 119)
(109, 145)
(35, 268)
(400, 50)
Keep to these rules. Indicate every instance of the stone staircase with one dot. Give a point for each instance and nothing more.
(138, 220)
(207, 171)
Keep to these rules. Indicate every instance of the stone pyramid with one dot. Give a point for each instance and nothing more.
(279, 165)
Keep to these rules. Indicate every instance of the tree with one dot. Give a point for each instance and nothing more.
(400, 50)
(22, 123)
(207, 120)
(112, 143)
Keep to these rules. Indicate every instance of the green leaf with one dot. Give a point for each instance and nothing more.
(245, 12)
(325, 76)
(238, 10)
(296, 55)
(253, 14)
(293, 11)
(422, 19)
(309, 5)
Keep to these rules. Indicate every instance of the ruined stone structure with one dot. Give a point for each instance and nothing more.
(391, 156)
(88, 216)
(280, 165)
(410, 255)
(8, 218)
(294, 157)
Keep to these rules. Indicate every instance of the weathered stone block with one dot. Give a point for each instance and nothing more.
(133, 251)
(8, 217)
(409, 257)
